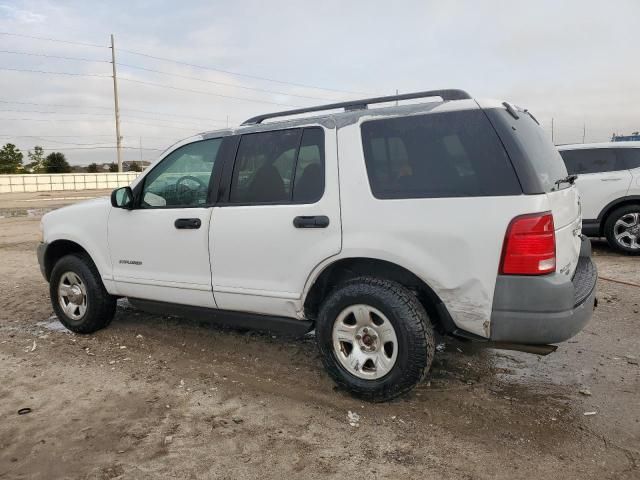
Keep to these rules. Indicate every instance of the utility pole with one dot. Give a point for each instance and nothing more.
(396, 96)
(552, 133)
(115, 99)
(140, 152)
(584, 131)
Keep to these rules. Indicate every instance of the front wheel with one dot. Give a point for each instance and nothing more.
(375, 338)
(622, 229)
(78, 296)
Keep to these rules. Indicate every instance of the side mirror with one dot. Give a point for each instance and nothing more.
(122, 198)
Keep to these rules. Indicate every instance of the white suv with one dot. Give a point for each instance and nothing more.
(375, 226)
(609, 185)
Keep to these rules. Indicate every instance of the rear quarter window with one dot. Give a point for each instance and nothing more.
(630, 157)
(449, 154)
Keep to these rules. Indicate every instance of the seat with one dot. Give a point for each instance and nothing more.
(309, 187)
(267, 186)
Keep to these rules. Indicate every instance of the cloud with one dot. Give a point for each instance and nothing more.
(22, 16)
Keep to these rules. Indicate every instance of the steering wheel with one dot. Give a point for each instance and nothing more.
(186, 195)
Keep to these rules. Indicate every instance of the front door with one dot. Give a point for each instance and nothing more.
(280, 219)
(160, 249)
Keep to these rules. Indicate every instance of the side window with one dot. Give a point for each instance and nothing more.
(453, 154)
(264, 166)
(595, 160)
(308, 186)
(279, 167)
(182, 178)
(630, 157)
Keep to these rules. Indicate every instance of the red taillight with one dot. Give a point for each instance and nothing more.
(529, 246)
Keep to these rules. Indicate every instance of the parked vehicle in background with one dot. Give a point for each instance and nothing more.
(375, 226)
(609, 185)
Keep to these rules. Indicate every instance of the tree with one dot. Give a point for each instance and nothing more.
(56, 163)
(113, 167)
(134, 167)
(10, 159)
(92, 168)
(36, 159)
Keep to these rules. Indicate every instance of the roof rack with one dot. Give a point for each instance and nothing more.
(446, 95)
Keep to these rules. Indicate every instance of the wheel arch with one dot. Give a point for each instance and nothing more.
(611, 206)
(346, 268)
(58, 249)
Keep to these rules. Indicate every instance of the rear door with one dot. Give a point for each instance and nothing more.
(631, 158)
(602, 177)
(279, 219)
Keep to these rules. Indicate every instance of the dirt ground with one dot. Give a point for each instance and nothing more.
(159, 397)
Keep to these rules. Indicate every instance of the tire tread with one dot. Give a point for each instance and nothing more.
(101, 306)
(421, 347)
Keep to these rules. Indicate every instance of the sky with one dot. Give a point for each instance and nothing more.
(575, 62)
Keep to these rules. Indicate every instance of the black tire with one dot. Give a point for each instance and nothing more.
(609, 227)
(100, 306)
(414, 332)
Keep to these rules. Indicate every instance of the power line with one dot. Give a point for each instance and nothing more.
(57, 113)
(263, 90)
(133, 52)
(59, 57)
(56, 136)
(53, 105)
(55, 73)
(159, 85)
(167, 126)
(191, 128)
(76, 136)
(255, 77)
(193, 124)
(110, 108)
(173, 115)
(53, 40)
(113, 147)
(46, 119)
(171, 87)
(174, 122)
(92, 144)
(188, 77)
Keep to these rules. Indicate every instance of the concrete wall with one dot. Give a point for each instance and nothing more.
(64, 181)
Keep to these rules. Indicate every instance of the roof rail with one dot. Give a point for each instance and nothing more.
(446, 95)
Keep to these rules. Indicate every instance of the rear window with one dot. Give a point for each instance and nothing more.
(543, 154)
(450, 154)
(630, 157)
(536, 159)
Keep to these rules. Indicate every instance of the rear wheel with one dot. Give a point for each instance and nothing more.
(622, 229)
(78, 296)
(375, 338)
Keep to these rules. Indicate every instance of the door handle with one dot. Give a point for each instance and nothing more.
(188, 223)
(318, 221)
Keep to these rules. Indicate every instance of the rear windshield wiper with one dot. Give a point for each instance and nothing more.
(531, 115)
(570, 179)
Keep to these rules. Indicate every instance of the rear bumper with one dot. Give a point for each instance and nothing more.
(545, 309)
